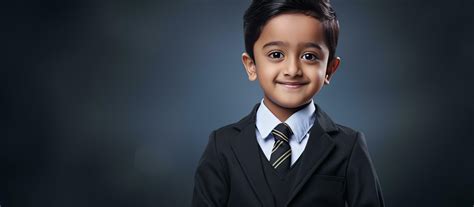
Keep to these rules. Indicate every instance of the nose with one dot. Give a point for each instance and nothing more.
(293, 67)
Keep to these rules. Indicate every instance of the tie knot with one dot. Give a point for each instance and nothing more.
(282, 132)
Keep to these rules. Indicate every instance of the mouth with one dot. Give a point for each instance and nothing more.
(292, 85)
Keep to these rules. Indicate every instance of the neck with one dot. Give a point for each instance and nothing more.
(280, 112)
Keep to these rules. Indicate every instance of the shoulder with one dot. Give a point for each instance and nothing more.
(348, 137)
(341, 134)
(233, 129)
(236, 127)
(344, 130)
(227, 130)
(222, 138)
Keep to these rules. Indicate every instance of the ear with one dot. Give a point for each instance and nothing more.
(331, 69)
(249, 65)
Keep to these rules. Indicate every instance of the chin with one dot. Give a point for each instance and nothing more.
(292, 103)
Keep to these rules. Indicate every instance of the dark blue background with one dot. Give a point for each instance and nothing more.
(110, 103)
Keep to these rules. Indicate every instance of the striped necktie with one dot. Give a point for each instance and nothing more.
(281, 152)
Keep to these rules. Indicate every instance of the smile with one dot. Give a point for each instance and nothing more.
(292, 85)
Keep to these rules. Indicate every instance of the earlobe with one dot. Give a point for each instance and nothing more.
(331, 69)
(250, 67)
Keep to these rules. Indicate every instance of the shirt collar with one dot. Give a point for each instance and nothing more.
(300, 122)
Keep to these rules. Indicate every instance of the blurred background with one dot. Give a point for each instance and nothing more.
(110, 103)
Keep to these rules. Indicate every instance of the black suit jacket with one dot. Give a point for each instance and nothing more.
(336, 169)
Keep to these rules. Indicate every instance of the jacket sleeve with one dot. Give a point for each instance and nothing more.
(362, 184)
(210, 179)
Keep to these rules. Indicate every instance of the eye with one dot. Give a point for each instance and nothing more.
(310, 57)
(276, 55)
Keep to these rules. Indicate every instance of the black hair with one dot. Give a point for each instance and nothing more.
(261, 11)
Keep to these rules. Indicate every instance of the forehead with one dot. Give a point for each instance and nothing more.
(292, 28)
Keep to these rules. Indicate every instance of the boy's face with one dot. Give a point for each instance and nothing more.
(291, 60)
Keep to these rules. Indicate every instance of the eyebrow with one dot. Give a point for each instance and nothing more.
(312, 44)
(280, 43)
(275, 43)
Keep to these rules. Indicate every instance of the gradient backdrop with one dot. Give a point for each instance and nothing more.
(110, 103)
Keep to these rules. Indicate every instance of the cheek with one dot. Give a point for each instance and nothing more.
(317, 77)
(266, 72)
(321, 72)
(316, 73)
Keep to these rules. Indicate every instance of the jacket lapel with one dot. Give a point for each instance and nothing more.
(316, 151)
(246, 149)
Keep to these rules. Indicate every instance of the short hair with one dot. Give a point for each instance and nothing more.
(261, 11)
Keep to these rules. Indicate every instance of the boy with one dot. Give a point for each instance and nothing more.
(287, 151)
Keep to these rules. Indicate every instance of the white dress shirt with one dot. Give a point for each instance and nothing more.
(300, 123)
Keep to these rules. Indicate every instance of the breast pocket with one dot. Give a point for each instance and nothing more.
(323, 190)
